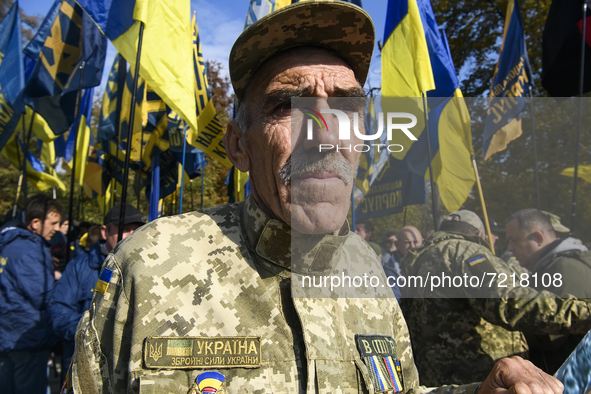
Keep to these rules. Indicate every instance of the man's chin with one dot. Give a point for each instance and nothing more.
(318, 218)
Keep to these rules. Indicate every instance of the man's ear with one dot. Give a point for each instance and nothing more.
(104, 232)
(235, 143)
(35, 226)
(538, 237)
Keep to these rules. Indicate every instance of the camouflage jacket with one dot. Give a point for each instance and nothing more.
(207, 295)
(458, 332)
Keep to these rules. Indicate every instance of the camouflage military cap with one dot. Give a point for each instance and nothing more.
(468, 217)
(337, 26)
(555, 221)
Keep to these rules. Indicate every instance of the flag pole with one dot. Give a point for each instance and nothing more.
(202, 185)
(130, 132)
(183, 169)
(73, 173)
(191, 190)
(435, 215)
(20, 175)
(581, 79)
(26, 142)
(484, 212)
(139, 195)
(533, 130)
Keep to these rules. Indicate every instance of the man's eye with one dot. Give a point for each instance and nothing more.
(282, 106)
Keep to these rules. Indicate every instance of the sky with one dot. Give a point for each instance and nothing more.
(221, 22)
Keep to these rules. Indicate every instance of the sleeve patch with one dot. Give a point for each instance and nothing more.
(103, 282)
(476, 260)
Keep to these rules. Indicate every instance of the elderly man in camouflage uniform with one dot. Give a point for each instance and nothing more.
(203, 301)
(459, 330)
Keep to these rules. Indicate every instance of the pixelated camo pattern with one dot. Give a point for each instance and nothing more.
(350, 32)
(199, 274)
(457, 335)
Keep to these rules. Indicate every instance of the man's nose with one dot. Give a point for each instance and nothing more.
(322, 133)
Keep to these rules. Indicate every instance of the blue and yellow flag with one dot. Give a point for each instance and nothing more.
(406, 66)
(449, 123)
(72, 38)
(257, 9)
(449, 120)
(80, 137)
(209, 135)
(166, 53)
(136, 143)
(372, 161)
(512, 81)
(109, 122)
(12, 77)
(35, 169)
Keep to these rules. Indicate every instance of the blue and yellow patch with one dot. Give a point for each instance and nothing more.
(475, 260)
(210, 381)
(103, 282)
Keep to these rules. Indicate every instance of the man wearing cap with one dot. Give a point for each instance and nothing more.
(203, 301)
(73, 292)
(561, 265)
(460, 326)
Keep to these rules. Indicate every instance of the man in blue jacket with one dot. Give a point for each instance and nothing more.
(26, 283)
(74, 291)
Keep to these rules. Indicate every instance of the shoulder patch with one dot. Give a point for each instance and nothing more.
(379, 355)
(103, 281)
(476, 260)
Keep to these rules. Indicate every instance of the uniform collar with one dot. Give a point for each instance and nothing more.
(276, 242)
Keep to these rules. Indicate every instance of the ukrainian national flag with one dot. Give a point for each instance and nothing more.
(449, 123)
(406, 66)
(11, 74)
(166, 53)
(512, 80)
(68, 40)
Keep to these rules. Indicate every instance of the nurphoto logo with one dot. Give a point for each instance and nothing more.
(344, 122)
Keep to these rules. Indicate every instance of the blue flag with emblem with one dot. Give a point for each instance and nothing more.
(72, 39)
(11, 74)
(512, 80)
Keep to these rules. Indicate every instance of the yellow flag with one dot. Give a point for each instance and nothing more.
(584, 172)
(40, 180)
(406, 66)
(166, 60)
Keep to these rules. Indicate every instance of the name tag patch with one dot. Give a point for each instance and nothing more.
(379, 355)
(202, 352)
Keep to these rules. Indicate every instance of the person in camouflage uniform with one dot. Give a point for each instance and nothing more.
(459, 332)
(204, 301)
(532, 237)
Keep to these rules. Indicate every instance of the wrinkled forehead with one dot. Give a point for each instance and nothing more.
(302, 60)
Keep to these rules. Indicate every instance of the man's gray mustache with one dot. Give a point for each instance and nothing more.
(315, 162)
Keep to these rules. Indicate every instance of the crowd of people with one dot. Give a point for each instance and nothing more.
(459, 332)
(42, 296)
(204, 302)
